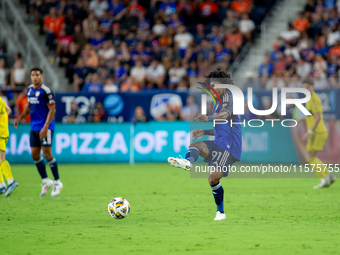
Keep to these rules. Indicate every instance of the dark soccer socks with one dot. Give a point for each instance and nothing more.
(40, 164)
(54, 168)
(192, 154)
(218, 192)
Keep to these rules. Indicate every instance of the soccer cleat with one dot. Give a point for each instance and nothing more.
(324, 183)
(332, 178)
(11, 188)
(3, 190)
(56, 189)
(45, 187)
(180, 162)
(220, 216)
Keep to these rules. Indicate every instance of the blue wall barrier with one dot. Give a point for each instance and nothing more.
(153, 142)
(119, 107)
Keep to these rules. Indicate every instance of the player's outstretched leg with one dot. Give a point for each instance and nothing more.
(3, 187)
(218, 193)
(326, 178)
(195, 150)
(54, 168)
(12, 184)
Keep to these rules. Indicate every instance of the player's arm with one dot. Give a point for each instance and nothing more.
(317, 119)
(50, 116)
(199, 132)
(21, 116)
(223, 114)
(8, 109)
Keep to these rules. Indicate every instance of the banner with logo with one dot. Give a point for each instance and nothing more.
(105, 142)
(118, 107)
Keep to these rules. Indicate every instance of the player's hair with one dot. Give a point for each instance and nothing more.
(37, 69)
(221, 75)
(308, 81)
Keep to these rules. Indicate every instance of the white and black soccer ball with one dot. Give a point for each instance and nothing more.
(119, 208)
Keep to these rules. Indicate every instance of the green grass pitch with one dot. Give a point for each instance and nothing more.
(170, 213)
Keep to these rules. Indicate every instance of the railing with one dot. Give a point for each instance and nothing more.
(26, 43)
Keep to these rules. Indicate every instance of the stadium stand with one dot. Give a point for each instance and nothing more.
(162, 41)
(309, 47)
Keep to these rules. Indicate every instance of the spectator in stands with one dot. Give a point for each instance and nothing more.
(176, 74)
(206, 53)
(247, 26)
(80, 74)
(73, 115)
(229, 22)
(138, 73)
(301, 23)
(281, 64)
(99, 7)
(69, 58)
(107, 53)
(129, 86)
(3, 73)
(79, 36)
(303, 68)
(234, 40)
(172, 113)
(207, 11)
(92, 84)
(110, 86)
(159, 28)
(251, 81)
(215, 36)
(183, 40)
(191, 110)
(19, 76)
(241, 6)
(155, 75)
(119, 72)
(63, 42)
(90, 57)
(21, 104)
(266, 68)
(135, 8)
(90, 25)
(290, 35)
(275, 82)
(139, 115)
(52, 26)
(320, 66)
(192, 71)
(183, 85)
(99, 114)
(333, 36)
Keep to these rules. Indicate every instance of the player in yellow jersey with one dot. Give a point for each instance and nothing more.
(317, 136)
(5, 168)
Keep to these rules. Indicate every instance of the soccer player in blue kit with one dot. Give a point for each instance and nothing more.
(41, 107)
(222, 152)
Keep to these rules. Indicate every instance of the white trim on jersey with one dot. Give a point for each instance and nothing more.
(47, 89)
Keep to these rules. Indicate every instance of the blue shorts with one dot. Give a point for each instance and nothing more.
(35, 139)
(219, 157)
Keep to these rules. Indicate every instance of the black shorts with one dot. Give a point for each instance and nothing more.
(35, 139)
(219, 157)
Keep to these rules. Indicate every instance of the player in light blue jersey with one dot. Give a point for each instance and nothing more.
(41, 107)
(222, 152)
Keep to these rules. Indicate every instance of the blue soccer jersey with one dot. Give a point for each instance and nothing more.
(38, 100)
(226, 136)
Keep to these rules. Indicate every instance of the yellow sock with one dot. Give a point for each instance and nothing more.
(6, 169)
(315, 161)
(1, 177)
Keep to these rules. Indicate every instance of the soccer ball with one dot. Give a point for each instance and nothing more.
(119, 208)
